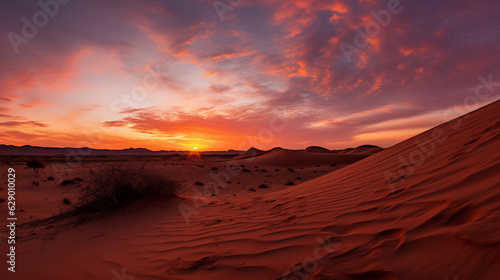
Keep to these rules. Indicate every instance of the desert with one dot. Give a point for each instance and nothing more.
(250, 140)
(348, 221)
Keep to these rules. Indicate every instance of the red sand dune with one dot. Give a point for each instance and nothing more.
(439, 218)
(366, 149)
(311, 156)
(300, 158)
(251, 153)
(316, 149)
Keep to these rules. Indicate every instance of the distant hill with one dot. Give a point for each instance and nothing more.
(10, 150)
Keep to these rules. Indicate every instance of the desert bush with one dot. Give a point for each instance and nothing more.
(66, 201)
(78, 179)
(50, 178)
(252, 190)
(67, 182)
(290, 183)
(199, 183)
(246, 170)
(113, 186)
(215, 168)
(263, 186)
(35, 164)
(333, 164)
(291, 169)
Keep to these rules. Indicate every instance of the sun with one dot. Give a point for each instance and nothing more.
(194, 148)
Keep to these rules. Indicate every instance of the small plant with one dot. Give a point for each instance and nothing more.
(290, 183)
(276, 170)
(333, 164)
(290, 169)
(215, 168)
(263, 186)
(242, 165)
(78, 179)
(2, 200)
(199, 183)
(298, 178)
(36, 165)
(36, 183)
(263, 170)
(66, 201)
(67, 182)
(252, 190)
(50, 178)
(246, 170)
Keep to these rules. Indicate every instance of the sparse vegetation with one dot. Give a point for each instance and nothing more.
(50, 178)
(113, 186)
(290, 169)
(66, 201)
(246, 170)
(199, 183)
(290, 183)
(333, 164)
(36, 183)
(298, 178)
(276, 169)
(215, 168)
(78, 179)
(263, 186)
(67, 182)
(252, 190)
(35, 164)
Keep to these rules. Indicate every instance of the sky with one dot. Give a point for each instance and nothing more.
(235, 74)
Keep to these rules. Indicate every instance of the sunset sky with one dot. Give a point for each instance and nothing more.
(182, 74)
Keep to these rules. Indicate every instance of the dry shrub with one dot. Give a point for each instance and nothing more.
(67, 182)
(115, 185)
(35, 164)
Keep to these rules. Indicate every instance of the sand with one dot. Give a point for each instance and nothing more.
(426, 208)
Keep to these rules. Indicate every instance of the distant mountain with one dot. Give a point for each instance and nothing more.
(10, 150)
